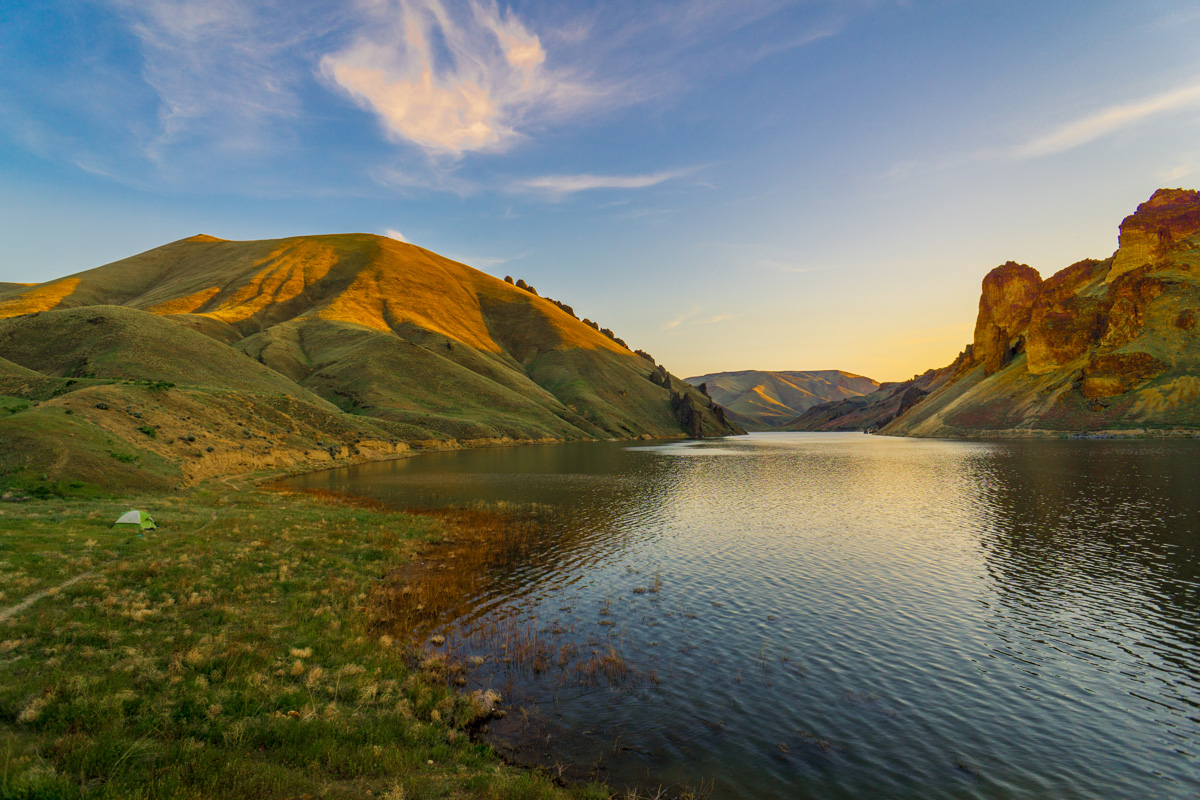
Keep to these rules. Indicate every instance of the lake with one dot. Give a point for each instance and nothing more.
(836, 615)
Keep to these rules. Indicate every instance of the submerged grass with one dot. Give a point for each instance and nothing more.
(238, 651)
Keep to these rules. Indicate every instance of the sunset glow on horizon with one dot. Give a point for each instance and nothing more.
(729, 186)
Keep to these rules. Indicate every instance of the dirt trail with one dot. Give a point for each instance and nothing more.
(12, 611)
(33, 598)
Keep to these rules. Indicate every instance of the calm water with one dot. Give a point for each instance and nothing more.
(850, 616)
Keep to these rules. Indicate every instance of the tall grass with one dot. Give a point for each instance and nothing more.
(241, 650)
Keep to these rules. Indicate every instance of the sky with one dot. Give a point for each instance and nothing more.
(727, 185)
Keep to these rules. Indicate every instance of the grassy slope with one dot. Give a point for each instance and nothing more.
(126, 344)
(236, 652)
(122, 426)
(381, 342)
(389, 377)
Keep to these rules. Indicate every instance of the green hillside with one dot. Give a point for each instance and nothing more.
(205, 357)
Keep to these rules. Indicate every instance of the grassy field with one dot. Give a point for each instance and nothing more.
(237, 651)
(364, 338)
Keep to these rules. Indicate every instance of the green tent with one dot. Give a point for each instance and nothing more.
(137, 518)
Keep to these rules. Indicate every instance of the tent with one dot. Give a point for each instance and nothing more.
(139, 518)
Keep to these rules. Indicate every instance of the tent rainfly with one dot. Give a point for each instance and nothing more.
(139, 518)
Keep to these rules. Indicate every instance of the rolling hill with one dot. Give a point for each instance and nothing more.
(1102, 346)
(205, 357)
(761, 400)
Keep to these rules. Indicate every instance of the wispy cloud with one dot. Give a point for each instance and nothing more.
(452, 83)
(1109, 120)
(1185, 167)
(241, 92)
(568, 184)
(694, 318)
(714, 319)
(1064, 137)
(223, 70)
(774, 48)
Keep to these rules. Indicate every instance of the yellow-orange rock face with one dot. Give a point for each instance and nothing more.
(1157, 227)
(1130, 294)
(1005, 307)
(1109, 345)
(1064, 325)
(1117, 373)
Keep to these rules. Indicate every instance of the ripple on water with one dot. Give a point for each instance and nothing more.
(848, 616)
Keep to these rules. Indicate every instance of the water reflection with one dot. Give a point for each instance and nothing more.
(848, 616)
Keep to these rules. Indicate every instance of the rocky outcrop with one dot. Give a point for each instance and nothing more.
(660, 377)
(701, 417)
(1065, 324)
(1005, 307)
(1160, 227)
(1102, 345)
(1129, 296)
(1117, 373)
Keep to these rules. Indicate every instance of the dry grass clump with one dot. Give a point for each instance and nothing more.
(608, 667)
(228, 657)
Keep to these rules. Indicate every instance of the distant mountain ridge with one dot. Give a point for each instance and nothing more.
(764, 400)
(1103, 346)
(299, 350)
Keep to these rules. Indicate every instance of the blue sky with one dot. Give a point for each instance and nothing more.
(728, 185)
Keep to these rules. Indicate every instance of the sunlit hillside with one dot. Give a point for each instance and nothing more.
(401, 346)
(762, 400)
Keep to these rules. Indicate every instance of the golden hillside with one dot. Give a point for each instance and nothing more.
(407, 347)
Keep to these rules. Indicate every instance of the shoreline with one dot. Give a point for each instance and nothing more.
(300, 625)
(1048, 434)
(261, 477)
(239, 642)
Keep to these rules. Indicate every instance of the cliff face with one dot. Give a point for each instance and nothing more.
(1100, 345)
(1159, 228)
(1005, 306)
